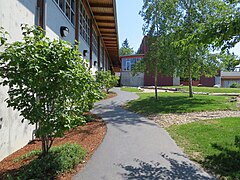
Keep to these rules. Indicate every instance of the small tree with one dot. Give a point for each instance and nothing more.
(48, 83)
(106, 80)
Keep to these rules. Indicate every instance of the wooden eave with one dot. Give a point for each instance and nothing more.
(104, 12)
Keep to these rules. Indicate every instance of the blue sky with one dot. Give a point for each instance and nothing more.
(130, 24)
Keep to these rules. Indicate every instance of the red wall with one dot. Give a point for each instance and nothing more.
(162, 80)
(209, 82)
(194, 83)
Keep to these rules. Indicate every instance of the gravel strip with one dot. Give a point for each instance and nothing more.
(166, 120)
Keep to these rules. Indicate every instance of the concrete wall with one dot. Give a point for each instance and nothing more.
(13, 133)
(127, 79)
(176, 81)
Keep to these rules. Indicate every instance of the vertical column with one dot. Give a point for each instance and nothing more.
(77, 20)
(99, 51)
(91, 42)
(41, 6)
(107, 63)
(103, 58)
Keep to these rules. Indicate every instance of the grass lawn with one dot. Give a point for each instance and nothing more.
(178, 103)
(209, 89)
(211, 143)
(131, 89)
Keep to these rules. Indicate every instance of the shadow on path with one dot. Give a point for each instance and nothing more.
(155, 171)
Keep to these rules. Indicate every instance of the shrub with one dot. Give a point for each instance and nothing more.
(106, 80)
(58, 160)
(48, 83)
(235, 85)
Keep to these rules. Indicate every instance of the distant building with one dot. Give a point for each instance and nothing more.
(127, 77)
(142, 79)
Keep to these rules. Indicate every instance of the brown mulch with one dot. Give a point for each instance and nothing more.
(89, 136)
(110, 95)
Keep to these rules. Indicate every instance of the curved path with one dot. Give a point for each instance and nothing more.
(135, 148)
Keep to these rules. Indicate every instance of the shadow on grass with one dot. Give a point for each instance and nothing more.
(177, 104)
(155, 170)
(226, 163)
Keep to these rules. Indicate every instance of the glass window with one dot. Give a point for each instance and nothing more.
(95, 42)
(128, 63)
(68, 7)
(84, 24)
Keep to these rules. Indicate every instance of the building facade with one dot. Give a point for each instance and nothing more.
(146, 78)
(127, 76)
(92, 23)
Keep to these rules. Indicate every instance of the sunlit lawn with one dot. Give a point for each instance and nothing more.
(209, 89)
(131, 89)
(211, 143)
(178, 103)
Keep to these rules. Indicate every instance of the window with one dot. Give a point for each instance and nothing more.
(128, 63)
(84, 24)
(95, 42)
(68, 7)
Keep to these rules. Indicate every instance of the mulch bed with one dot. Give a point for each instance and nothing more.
(89, 136)
(110, 95)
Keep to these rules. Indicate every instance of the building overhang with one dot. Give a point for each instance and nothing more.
(105, 15)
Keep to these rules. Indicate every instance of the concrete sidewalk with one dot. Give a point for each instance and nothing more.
(135, 148)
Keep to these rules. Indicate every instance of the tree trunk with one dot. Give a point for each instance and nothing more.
(155, 82)
(44, 145)
(46, 141)
(190, 78)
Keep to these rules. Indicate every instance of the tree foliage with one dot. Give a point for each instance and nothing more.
(106, 80)
(228, 61)
(196, 28)
(48, 83)
(126, 49)
(3, 37)
(158, 25)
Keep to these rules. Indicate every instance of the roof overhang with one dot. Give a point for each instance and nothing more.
(105, 15)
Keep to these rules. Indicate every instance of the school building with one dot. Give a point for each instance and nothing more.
(91, 22)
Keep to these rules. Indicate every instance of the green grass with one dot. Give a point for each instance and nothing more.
(209, 89)
(211, 143)
(178, 103)
(131, 89)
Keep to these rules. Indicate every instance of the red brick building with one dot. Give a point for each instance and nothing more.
(149, 77)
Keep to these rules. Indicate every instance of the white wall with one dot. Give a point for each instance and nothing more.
(13, 13)
(127, 79)
(13, 133)
(94, 68)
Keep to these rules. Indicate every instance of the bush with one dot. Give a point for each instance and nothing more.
(235, 85)
(106, 80)
(48, 82)
(58, 160)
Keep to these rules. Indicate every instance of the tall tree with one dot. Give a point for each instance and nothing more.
(126, 49)
(158, 26)
(222, 30)
(229, 61)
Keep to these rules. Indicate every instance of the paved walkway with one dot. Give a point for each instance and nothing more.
(135, 148)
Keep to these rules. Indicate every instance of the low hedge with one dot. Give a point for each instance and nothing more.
(58, 160)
